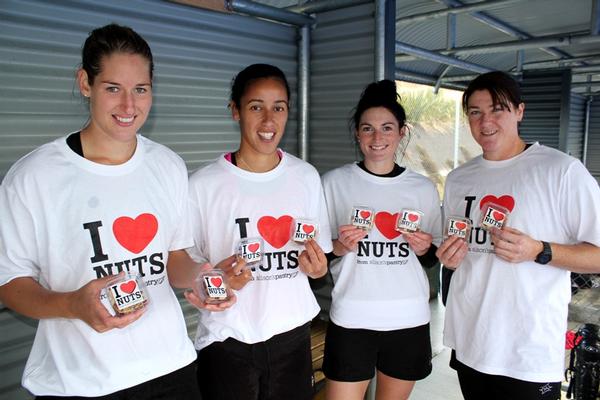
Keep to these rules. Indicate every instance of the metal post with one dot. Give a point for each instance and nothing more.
(450, 44)
(371, 389)
(456, 129)
(565, 112)
(379, 39)
(520, 59)
(303, 91)
(595, 18)
(586, 132)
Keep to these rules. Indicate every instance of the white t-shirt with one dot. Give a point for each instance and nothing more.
(382, 286)
(67, 220)
(229, 203)
(510, 319)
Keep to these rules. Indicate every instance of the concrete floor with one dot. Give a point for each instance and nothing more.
(442, 384)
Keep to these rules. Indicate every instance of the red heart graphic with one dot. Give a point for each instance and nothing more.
(386, 224)
(365, 214)
(135, 234)
(505, 201)
(413, 217)
(216, 281)
(460, 225)
(253, 247)
(276, 231)
(308, 228)
(128, 287)
(498, 216)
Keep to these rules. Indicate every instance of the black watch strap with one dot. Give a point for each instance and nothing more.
(545, 255)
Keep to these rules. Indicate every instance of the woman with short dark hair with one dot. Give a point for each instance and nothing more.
(535, 212)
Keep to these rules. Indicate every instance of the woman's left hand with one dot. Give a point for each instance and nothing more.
(418, 241)
(236, 271)
(312, 260)
(195, 300)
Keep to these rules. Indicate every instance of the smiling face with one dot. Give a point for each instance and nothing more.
(262, 115)
(379, 135)
(120, 97)
(494, 126)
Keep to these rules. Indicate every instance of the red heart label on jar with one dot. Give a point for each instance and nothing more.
(498, 216)
(216, 281)
(460, 225)
(413, 217)
(365, 214)
(253, 247)
(128, 287)
(308, 228)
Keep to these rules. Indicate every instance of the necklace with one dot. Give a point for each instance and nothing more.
(239, 157)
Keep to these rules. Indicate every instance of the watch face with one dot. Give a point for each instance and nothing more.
(546, 255)
(543, 258)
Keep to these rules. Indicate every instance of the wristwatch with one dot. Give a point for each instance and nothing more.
(545, 255)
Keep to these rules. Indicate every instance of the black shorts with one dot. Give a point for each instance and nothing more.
(476, 385)
(352, 355)
(178, 385)
(277, 369)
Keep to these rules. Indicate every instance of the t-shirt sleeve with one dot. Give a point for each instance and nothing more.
(329, 194)
(198, 250)
(324, 238)
(445, 204)
(435, 227)
(581, 209)
(18, 251)
(182, 234)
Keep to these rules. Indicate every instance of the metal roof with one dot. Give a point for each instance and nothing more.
(509, 35)
(448, 42)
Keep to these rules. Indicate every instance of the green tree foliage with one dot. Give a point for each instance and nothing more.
(425, 107)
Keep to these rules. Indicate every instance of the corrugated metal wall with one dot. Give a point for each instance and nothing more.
(593, 153)
(546, 108)
(196, 54)
(576, 126)
(342, 63)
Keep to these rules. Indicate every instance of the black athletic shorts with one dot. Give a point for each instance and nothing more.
(178, 385)
(277, 369)
(353, 355)
(476, 385)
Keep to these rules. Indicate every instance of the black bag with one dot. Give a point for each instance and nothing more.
(583, 373)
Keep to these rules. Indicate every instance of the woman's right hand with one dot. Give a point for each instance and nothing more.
(85, 304)
(452, 251)
(348, 238)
